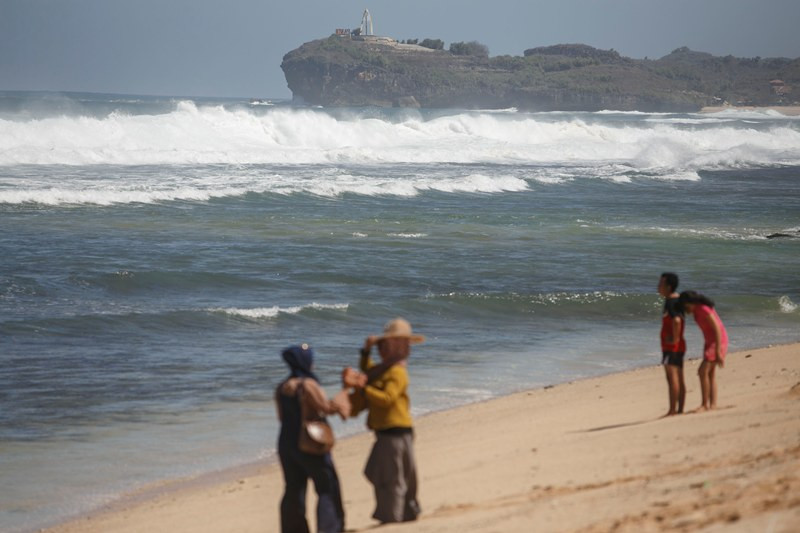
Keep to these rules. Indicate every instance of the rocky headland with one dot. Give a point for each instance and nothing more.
(378, 71)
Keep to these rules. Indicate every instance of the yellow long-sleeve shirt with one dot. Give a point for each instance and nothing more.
(386, 398)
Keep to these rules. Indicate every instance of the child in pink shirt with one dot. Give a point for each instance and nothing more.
(715, 346)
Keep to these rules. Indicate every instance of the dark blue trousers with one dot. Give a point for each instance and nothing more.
(298, 467)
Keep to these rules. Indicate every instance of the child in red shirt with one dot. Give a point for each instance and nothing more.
(673, 345)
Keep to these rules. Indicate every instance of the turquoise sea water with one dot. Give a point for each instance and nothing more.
(158, 253)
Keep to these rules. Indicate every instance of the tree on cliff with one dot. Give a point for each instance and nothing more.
(472, 48)
(434, 44)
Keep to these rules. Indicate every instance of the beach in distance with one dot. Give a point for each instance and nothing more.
(788, 110)
(590, 455)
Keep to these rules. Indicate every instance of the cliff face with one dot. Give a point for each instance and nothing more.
(341, 71)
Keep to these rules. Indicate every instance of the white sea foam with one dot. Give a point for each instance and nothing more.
(688, 175)
(738, 234)
(552, 180)
(113, 195)
(154, 189)
(215, 135)
(212, 152)
(787, 305)
(272, 312)
(639, 113)
(500, 111)
(689, 120)
(408, 235)
(586, 297)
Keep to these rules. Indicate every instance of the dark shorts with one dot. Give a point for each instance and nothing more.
(673, 358)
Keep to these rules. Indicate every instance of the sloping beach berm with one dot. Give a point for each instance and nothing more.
(589, 456)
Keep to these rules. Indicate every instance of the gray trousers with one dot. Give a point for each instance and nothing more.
(393, 473)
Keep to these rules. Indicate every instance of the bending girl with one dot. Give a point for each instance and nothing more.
(715, 345)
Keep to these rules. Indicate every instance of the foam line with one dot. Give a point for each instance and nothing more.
(214, 135)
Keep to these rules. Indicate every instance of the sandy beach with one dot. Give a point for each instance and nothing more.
(789, 110)
(587, 456)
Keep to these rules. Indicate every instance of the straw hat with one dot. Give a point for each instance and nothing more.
(399, 327)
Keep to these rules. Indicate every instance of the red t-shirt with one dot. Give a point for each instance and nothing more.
(671, 310)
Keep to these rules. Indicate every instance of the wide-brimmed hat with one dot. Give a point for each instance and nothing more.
(399, 327)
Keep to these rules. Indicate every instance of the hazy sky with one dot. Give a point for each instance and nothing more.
(235, 47)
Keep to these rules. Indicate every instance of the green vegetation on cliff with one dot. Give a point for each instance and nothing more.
(339, 71)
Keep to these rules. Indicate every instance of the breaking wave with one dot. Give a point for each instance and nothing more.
(195, 134)
(272, 312)
(787, 305)
(152, 189)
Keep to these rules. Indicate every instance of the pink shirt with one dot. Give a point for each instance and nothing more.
(701, 314)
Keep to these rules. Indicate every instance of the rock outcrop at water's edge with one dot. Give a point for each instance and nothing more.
(374, 71)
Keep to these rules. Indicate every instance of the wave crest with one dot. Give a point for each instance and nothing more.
(787, 305)
(274, 311)
(152, 188)
(192, 134)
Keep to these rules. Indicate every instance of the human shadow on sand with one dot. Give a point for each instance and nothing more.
(640, 422)
(615, 426)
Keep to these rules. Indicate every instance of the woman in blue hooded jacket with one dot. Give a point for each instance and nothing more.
(303, 386)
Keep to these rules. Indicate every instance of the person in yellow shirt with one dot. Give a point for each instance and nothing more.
(382, 390)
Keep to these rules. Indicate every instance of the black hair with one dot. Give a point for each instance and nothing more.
(672, 280)
(692, 297)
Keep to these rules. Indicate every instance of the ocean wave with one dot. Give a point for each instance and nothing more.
(116, 322)
(691, 121)
(228, 183)
(632, 113)
(557, 305)
(408, 235)
(328, 185)
(594, 307)
(198, 134)
(787, 305)
(553, 180)
(126, 281)
(728, 234)
(274, 311)
(114, 195)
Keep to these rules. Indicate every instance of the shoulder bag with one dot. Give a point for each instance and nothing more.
(316, 435)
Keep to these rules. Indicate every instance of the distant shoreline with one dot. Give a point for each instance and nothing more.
(788, 110)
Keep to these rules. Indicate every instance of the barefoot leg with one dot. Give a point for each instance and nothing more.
(705, 384)
(712, 385)
(673, 387)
